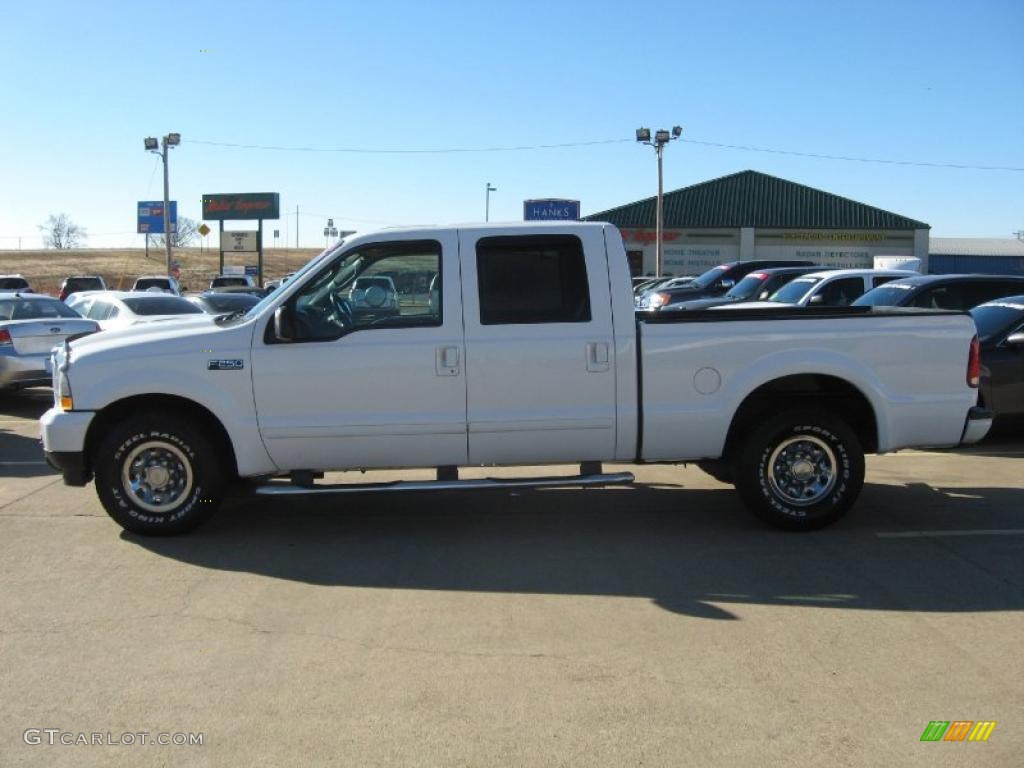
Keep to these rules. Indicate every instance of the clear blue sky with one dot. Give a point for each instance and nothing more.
(82, 83)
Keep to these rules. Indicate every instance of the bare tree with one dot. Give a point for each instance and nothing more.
(61, 232)
(187, 231)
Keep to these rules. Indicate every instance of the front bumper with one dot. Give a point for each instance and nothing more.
(977, 425)
(63, 434)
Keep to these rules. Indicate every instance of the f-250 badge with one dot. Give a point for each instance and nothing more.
(224, 365)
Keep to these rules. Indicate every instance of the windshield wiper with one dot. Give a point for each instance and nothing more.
(226, 318)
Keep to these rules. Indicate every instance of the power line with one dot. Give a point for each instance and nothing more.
(854, 159)
(523, 148)
(448, 150)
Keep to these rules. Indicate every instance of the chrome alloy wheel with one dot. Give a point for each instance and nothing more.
(157, 476)
(802, 470)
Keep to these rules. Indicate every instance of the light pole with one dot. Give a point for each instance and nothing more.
(661, 138)
(487, 204)
(170, 140)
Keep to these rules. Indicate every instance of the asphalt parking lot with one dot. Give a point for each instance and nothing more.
(658, 625)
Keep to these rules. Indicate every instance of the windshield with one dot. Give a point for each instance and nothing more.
(270, 297)
(31, 309)
(705, 280)
(993, 319)
(13, 283)
(747, 287)
(162, 305)
(792, 292)
(888, 295)
(83, 284)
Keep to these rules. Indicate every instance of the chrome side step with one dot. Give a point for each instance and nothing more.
(286, 489)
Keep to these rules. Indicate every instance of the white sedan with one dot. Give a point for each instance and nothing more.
(828, 288)
(120, 309)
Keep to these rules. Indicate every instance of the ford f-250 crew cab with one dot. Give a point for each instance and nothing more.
(512, 345)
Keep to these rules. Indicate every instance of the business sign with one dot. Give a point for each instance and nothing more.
(252, 270)
(551, 210)
(151, 217)
(248, 205)
(233, 270)
(238, 241)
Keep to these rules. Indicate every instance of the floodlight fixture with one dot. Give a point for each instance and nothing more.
(677, 131)
(643, 134)
(173, 139)
(151, 143)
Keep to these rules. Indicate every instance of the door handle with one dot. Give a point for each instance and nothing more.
(446, 361)
(598, 358)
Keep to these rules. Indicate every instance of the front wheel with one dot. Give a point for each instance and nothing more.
(800, 470)
(157, 474)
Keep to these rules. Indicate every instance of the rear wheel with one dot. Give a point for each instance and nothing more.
(157, 474)
(800, 470)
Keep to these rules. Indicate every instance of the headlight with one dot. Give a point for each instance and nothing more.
(658, 300)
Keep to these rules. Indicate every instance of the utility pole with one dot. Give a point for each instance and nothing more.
(296, 226)
(168, 141)
(661, 138)
(487, 204)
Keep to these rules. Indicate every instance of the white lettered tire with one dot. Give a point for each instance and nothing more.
(800, 470)
(157, 474)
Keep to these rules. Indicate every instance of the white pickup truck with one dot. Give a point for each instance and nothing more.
(512, 345)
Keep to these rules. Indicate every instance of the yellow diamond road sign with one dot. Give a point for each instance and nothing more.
(204, 230)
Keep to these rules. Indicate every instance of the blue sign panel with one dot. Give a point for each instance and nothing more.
(551, 210)
(251, 270)
(151, 217)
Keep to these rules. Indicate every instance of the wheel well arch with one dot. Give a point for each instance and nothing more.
(831, 393)
(198, 414)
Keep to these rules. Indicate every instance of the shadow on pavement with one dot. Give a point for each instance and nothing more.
(26, 403)
(695, 552)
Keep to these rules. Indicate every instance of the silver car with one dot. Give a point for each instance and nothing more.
(30, 327)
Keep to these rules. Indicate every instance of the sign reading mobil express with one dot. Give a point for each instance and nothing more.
(551, 210)
(151, 217)
(246, 205)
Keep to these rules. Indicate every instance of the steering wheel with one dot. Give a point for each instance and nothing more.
(342, 311)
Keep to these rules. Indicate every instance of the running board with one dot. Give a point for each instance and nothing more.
(283, 489)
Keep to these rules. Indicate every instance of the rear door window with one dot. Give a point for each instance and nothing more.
(532, 279)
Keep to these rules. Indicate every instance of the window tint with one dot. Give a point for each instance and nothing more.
(532, 279)
(151, 282)
(162, 305)
(940, 297)
(83, 284)
(882, 280)
(32, 309)
(987, 290)
(383, 285)
(842, 293)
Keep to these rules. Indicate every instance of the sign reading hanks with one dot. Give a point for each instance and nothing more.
(246, 205)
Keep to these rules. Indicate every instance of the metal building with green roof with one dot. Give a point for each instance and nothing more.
(751, 215)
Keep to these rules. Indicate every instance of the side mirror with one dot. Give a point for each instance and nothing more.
(816, 300)
(1015, 339)
(284, 323)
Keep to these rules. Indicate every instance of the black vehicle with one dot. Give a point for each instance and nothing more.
(1001, 333)
(959, 292)
(221, 302)
(715, 282)
(756, 286)
(77, 283)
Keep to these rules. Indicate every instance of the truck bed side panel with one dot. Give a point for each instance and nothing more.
(911, 368)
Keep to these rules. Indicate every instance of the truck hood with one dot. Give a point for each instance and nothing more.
(158, 338)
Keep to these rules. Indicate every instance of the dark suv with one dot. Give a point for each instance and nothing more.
(960, 292)
(715, 282)
(78, 283)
